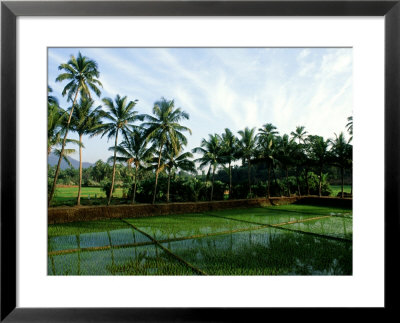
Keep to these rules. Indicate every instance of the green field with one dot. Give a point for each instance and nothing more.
(338, 188)
(95, 195)
(279, 240)
(89, 196)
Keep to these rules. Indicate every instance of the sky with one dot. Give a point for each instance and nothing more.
(223, 87)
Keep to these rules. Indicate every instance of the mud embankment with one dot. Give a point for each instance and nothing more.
(89, 213)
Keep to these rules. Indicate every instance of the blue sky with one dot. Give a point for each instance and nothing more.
(223, 87)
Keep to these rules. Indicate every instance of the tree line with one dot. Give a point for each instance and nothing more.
(154, 144)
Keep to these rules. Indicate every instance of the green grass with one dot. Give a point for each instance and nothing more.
(338, 188)
(227, 242)
(89, 196)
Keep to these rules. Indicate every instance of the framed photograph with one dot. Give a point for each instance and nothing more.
(282, 74)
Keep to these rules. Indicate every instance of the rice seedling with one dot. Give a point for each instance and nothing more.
(256, 241)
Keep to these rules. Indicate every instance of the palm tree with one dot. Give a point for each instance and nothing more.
(319, 154)
(285, 149)
(50, 98)
(85, 120)
(349, 127)
(164, 126)
(229, 151)
(211, 151)
(267, 129)
(299, 157)
(121, 116)
(134, 150)
(55, 127)
(299, 134)
(247, 146)
(266, 152)
(341, 151)
(177, 160)
(82, 74)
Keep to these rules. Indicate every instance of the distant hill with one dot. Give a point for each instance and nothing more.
(53, 160)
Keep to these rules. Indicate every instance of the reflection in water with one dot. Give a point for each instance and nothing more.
(340, 227)
(266, 252)
(141, 260)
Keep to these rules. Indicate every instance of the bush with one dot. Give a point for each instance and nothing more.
(106, 187)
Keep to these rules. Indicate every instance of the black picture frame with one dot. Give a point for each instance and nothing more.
(10, 10)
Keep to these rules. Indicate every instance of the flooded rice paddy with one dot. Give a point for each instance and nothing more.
(279, 240)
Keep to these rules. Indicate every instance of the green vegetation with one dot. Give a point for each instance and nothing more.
(256, 241)
(336, 189)
(273, 164)
(89, 196)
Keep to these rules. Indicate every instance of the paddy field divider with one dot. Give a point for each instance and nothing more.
(279, 226)
(90, 213)
(156, 242)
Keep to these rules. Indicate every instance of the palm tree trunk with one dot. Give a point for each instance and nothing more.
(212, 184)
(80, 170)
(269, 181)
(298, 181)
(158, 166)
(276, 182)
(248, 175)
(342, 173)
(320, 183)
(307, 184)
(169, 181)
(62, 150)
(287, 182)
(230, 181)
(113, 173)
(134, 189)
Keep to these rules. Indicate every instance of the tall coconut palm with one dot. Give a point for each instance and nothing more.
(267, 129)
(246, 149)
(299, 134)
(175, 160)
(164, 126)
(82, 75)
(120, 116)
(349, 127)
(229, 152)
(266, 152)
(285, 149)
(319, 154)
(134, 150)
(85, 121)
(51, 99)
(55, 120)
(341, 151)
(211, 151)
